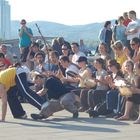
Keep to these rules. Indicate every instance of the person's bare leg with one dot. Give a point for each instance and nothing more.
(138, 119)
(128, 108)
(3, 96)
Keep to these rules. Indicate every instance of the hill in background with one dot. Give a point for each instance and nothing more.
(88, 32)
(70, 33)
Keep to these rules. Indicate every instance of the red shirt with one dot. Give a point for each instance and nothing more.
(126, 22)
(6, 61)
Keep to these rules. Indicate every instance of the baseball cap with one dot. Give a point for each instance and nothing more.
(82, 59)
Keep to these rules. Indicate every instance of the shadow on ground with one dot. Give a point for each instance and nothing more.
(70, 124)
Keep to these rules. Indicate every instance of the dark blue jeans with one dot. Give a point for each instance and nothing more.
(23, 88)
(121, 104)
(24, 54)
(115, 101)
(112, 99)
(14, 104)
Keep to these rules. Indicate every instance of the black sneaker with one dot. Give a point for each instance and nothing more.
(93, 114)
(75, 115)
(37, 116)
(22, 117)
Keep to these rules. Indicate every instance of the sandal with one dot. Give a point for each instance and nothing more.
(123, 118)
(137, 121)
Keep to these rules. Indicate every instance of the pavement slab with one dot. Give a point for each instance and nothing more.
(61, 126)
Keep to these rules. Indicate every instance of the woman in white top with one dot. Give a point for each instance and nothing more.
(85, 75)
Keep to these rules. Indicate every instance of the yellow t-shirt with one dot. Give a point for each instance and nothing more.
(7, 78)
(121, 59)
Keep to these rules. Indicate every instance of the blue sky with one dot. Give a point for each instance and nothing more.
(71, 12)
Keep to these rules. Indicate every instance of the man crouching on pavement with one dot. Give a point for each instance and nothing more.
(59, 98)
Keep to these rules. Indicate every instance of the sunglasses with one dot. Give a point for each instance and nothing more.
(133, 44)
(23, 23)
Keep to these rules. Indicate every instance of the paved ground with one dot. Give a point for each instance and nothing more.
(62, 127)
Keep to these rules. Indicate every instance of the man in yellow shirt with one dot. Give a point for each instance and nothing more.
(13, 80)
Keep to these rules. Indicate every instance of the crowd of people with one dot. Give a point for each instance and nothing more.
(61, 77)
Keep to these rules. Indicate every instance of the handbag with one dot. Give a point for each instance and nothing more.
(125, 91)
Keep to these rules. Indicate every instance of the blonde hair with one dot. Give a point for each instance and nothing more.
(117, 45)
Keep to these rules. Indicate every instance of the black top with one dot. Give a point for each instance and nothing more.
(138, 82)
(55, 88)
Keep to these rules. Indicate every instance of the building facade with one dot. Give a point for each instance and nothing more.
(5, 20)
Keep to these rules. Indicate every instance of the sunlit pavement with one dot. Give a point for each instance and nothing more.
(61, 126)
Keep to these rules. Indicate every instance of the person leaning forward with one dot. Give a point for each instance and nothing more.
(13, 80)
(59, 98)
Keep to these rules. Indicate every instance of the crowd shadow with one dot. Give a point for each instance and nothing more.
(79, 124)
(103, 121)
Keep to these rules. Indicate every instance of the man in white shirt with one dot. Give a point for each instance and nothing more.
(71, 70)
(77, 53)
(133, 29)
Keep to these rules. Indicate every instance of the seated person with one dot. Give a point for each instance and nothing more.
(71, 70)
(5, 60)
(135, 98)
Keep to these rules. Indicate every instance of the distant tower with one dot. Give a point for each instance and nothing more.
(5, 20)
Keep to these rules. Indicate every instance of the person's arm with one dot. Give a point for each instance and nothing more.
(42, 92)
(3, 95)
(101, 35)
(135, 30)
(136, 58)
(127, 53)
(132, 31)
(133, 88)
(20, 31)
(110, 81)
(114, 33)
(70, 80)
(102, 80)
(29, 33)
(26, 30)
